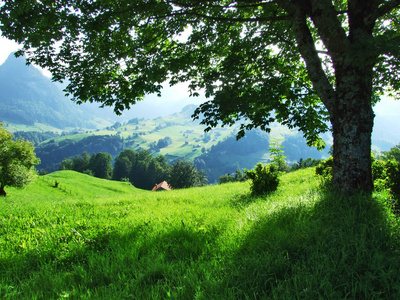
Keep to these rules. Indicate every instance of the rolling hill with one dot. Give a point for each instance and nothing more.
(217, 151)
(97, 239)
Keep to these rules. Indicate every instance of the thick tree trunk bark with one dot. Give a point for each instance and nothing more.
(348, 98)
(352, 123)
(352, 150)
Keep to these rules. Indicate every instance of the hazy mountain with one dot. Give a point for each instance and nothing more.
(27, 96)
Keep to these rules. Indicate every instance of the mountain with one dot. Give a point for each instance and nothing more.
(28, 97)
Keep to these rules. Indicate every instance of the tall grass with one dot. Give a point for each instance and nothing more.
(96, 239)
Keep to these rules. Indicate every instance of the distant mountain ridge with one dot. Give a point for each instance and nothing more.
(27, 96)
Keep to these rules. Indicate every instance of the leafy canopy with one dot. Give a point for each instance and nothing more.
(246, 55)
(16, 161)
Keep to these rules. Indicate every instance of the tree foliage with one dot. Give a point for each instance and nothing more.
(393, 153)
(17, 159)
(100, 165)
(305, 163)
(276, 153)
(303, 63)
(264, 179)
(141, 168)
(184, 175)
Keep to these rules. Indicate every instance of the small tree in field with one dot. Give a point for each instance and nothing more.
(16, 161)
(264, 179)
(277, 155)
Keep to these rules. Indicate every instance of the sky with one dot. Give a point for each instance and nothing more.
(171, 96)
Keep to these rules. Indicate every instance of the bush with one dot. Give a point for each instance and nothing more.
(264, 179)
(226, 178)
(387, 176)
(324, 169)
(378, 168)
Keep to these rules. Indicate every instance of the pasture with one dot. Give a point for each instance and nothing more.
(72, 236)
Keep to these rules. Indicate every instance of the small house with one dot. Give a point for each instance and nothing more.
(163, 186)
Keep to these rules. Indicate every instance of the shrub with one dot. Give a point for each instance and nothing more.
(387, 176)
(324, 169)
(226, 178)
(392, 169)
(264, 179)
(378, 168)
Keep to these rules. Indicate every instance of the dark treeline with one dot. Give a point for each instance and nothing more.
(98, 165)
(53, 152)
(36, 137)
(140, 168)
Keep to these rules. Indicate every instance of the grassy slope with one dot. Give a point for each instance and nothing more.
(178, 127)
(187, 137)
(98, 239)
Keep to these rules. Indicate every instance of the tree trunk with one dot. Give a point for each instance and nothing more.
(352, 123)
(348, 99)
(2, 191)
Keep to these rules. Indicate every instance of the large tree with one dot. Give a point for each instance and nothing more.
(17, 160)
(101, 165)
(304, 63)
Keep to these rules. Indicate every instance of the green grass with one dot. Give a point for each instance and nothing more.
(96, 239)
(12, 127)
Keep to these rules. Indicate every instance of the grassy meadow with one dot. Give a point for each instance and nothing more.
(72, 236)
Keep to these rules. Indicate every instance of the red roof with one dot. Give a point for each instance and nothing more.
(163, 186)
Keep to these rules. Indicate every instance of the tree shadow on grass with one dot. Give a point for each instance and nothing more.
(343, 247)
(339, 248)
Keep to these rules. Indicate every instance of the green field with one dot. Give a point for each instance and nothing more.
(73, 236)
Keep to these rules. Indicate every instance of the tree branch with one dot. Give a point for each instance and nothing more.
(239, 20)
(198, 10)
(334, 37)
(386, 8)
(309, 53)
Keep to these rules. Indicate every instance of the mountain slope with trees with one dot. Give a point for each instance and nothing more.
(28, 97)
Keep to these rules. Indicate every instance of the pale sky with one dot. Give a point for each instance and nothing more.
(6, 47)
(386, 106)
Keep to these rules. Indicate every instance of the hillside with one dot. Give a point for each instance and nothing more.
(99, 239)
(176, 137)
(28, 97)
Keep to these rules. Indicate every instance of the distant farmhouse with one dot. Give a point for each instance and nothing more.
(163, 186)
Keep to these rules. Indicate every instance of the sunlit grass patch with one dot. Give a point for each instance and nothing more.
(109, 240)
